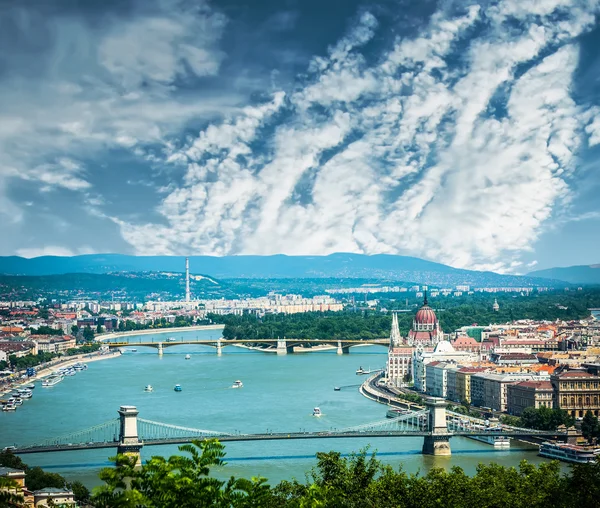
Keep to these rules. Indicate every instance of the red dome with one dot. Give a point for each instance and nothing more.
(425, 316)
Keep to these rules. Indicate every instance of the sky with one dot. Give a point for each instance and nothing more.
(467, 133)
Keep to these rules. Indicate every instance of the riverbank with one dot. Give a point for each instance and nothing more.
(63, 362)
(150, 331)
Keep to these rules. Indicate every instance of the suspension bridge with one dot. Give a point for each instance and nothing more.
(129, 434)
(279, 346)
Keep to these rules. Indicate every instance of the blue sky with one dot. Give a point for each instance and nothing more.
(462, 132)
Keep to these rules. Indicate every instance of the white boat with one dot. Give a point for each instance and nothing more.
(30, 387)
(18, 401)
(52, 380)
(70, 372)
(569, 453)
(24, 393)
(148, 388)
(237, 384)
(317, 412)
(187, 357)
(495, 441)
(9, 407)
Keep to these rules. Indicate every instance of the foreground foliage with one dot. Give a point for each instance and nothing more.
(358, 481)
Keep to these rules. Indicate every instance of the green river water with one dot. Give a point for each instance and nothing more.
(279, 394)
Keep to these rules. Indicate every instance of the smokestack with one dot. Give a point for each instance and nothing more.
(187, 279)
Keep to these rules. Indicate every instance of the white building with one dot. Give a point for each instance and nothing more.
(399, 363)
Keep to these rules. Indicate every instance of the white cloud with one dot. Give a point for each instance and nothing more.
(412, 155)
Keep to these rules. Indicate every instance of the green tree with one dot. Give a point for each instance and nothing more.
(8, 494)
(589, 426)
(36, 478)
(98, 328)
(74, 330)
(88, 334)
(80, 492)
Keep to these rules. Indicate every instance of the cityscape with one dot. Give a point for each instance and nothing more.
(300, 254)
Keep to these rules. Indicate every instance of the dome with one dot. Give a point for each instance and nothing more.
(444, 347)
(425, 316)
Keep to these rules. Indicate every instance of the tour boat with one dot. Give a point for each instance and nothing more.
(317, 412)
(177, 388)
(187, 357)
(148, 388)
(52, 380)
(9, 407)
(568, 453)
(237, 384)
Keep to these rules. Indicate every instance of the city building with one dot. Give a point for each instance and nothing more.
(53, 344)
(399, 363)
(490, 390)
(18, 477)
(576, 391)
(459, 390)
(526, 394)
(425, 330)
(50, 496)
(436, 374)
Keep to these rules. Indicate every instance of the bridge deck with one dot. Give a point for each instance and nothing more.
(279, 436)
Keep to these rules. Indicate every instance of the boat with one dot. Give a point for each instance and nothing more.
(569, 453)
(30, 387)
(149, 388)
(177, 388)
(237, 384)
(132, 350)
(317, 412)
(396, 412)
(52, 380)
(360, 371)
(70, 372)
(25, 394)
(18, 401)
(187, 357)
(336, 388)
(9, 407)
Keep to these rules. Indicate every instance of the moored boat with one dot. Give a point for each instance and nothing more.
(52, 380)
(569, 453)
(30, 386)
(9, 407)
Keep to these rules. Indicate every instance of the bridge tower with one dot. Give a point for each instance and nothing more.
(160, 349)
(129, 442)
(438, 441)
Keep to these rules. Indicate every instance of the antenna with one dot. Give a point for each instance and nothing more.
(187, 279)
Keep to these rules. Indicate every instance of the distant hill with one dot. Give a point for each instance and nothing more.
(583, 274)
(340, 265)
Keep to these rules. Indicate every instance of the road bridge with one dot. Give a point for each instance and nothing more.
(279, 346)
(128, 433)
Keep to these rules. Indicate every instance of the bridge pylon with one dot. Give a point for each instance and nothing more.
(438, 442)
(129, 442)
(282, 348)
(160, 349)
(219, 347)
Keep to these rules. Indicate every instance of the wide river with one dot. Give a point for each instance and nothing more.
(279, 394)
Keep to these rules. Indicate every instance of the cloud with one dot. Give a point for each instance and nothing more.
(451, 146)
(98, 83)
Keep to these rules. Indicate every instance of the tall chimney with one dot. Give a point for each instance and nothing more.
(187, 279)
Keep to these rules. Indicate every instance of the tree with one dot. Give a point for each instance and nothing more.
(80, 491)
(88, 334)
(36, 478)
(74, 330)
(98, 328)
(8, 493)
(589, 426)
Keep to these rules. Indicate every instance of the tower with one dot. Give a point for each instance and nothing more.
(187, 279)
(395, 337)
(129, 442)
(496, 307)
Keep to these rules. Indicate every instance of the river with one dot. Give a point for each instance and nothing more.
(279, 394)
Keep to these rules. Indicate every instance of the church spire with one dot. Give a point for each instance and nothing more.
(395, 337)
(425, 302)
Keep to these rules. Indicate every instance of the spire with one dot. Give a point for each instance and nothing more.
(425, 299)
(395, 337)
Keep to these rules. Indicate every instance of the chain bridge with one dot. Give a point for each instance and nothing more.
(128, 433)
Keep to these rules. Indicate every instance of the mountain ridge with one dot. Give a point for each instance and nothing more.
(341, 265)
(576, 274)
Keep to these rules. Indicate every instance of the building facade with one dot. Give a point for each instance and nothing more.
(576, 391)
(526, 394)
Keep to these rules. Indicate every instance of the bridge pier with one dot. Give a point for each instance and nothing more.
(160, 349)
(282, 347)
(219, 347)
(438, 442)
(129, 443)
(342, 350)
